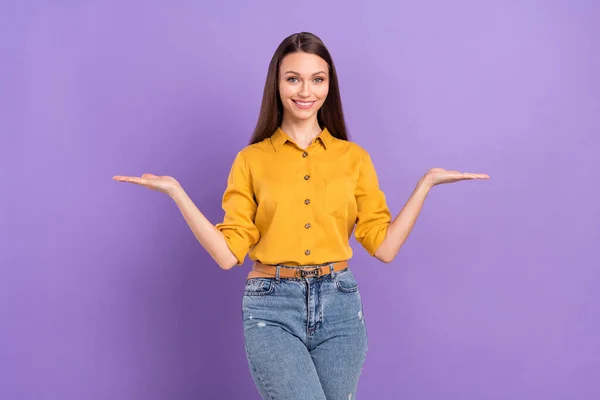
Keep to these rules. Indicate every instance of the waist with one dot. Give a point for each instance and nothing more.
(260, 270)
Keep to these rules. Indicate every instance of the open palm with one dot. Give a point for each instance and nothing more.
(437, 176)
(165, 184)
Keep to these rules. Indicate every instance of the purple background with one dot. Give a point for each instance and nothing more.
(104, 291)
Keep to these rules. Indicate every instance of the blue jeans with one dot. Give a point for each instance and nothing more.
(305, 338)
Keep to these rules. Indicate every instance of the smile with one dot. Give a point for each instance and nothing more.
(304, 105)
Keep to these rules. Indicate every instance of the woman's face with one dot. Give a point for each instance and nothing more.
(303, 85)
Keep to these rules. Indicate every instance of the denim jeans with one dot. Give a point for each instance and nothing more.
(305, 338)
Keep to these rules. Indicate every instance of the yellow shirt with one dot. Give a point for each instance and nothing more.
(286, 205)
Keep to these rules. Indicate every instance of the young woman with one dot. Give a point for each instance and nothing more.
(293, 198)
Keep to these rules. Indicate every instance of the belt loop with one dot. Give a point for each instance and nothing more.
(277, 272)
(332, 271)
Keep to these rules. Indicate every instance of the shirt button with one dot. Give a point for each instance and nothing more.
(307, 226)
(307, 201)
(306, 177)
(307, 252)
(305, 154)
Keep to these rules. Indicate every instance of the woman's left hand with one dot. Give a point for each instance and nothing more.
(436, 176)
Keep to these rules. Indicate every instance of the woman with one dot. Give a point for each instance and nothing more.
(293, 198)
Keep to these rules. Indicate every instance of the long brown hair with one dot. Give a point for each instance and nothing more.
(330, 115)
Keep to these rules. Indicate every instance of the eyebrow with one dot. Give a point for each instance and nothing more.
(296, 73)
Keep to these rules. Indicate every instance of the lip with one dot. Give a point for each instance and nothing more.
(302, 107)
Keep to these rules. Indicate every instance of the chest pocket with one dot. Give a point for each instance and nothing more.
(339, 197)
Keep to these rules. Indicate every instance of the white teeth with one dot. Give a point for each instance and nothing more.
(304, 104)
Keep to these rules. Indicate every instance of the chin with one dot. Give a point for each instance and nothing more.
(304, 116)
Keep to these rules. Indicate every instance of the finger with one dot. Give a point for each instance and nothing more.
(470, 175)
(132, 179)
(120, 178)
(479, 176)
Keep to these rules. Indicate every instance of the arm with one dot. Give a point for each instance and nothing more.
(227, 242)
(402, 225)
(400, 228)
(207, 234)
(373, 215)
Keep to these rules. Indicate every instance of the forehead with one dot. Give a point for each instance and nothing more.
(303, 63)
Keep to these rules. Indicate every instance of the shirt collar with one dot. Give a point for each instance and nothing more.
(279, 138)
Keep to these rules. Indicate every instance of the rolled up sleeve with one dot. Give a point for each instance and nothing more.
(240, 206)
(373, 215)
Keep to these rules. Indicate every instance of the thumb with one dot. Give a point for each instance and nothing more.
(149, 176)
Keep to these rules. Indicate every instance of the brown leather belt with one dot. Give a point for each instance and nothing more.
(260, 270)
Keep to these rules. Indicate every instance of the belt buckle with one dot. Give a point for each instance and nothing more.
(303, 273)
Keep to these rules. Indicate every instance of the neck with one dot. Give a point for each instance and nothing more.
(303, 132)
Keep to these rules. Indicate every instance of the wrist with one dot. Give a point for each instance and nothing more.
(177, 193)
(425, 183)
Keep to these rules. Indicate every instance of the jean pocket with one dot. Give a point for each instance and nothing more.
(345, 281)
(259, 287)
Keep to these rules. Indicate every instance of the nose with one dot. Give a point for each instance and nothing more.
(304, 90)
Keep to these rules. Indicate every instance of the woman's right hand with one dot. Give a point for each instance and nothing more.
(165, 184)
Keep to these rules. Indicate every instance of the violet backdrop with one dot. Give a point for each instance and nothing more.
(106, 294)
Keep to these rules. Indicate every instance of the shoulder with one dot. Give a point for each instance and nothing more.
(351, 148)
(252, 151)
